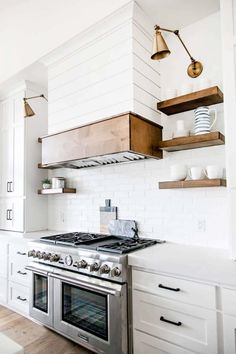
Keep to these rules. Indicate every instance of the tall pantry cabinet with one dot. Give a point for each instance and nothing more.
(21, 208)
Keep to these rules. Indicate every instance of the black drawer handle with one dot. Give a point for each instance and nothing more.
(168, 288)
(171, 322)
(21, 253)
(21, 298)
(21, 273)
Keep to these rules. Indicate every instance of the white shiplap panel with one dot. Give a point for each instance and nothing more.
(91, 93)
(146, 69)
(93, 50)
(100, 102)
(105, 112)
(142, 37)
(92, 65)
(145, 55)
(146, 84)
(90, 78)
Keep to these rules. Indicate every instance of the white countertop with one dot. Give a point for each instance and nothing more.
(203, 264)
(35, 235)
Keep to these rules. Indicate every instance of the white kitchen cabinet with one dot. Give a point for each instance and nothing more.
(146, 344)
(22, 209)
(3, 290)
(18, 260)
(18, 297)
(177, 316)
(229, 328)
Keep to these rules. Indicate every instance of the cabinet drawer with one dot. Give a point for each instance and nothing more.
(228, 301)
(18, 297)
(144, 343)
(176, 289)
(19, 274)
(191, 327)
(3, 290)
(18, 253)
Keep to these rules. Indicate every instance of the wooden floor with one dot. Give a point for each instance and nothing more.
(34, 338)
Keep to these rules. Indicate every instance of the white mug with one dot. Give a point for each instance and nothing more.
(196, 172)
(178, 172)
(214, 171)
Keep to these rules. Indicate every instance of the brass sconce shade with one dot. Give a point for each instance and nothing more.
(28, 111)
(161, 50)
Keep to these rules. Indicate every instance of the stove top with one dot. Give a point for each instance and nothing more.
(73, 239)
(100, 242)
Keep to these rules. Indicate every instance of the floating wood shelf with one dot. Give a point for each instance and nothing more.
(193, 142)
(206, 97)
(200, 183)
(56, 191)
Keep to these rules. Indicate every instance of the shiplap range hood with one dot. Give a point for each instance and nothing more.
(122, 138)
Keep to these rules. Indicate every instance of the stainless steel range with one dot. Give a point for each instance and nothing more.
(80, 287)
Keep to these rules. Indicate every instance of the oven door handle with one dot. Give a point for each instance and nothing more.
(36, 270)
(86, 285)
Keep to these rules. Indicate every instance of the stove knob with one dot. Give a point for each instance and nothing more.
(41, 254)
(105, 269)
(116, 272)
(68, 260)
(94, 267)
(54, 258)
(35, 254)
(31, 253)
(82, 264)
(38, 254)
(46, 256)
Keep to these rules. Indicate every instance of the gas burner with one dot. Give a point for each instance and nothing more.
(73, 238)
(127, 245)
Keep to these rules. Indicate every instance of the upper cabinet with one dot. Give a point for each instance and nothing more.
(21, 208)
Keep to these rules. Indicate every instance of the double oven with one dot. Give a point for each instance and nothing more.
(90, 311)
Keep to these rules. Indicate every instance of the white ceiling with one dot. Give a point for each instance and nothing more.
(175, 14)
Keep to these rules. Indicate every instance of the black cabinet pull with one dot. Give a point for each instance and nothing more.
(21, 273)
(171, 322)
(21, 253)
(10, 214)
(21, 298)
(8, 186)
(168, 288)
(11, 187)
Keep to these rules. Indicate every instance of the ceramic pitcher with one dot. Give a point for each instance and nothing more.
(202, 123)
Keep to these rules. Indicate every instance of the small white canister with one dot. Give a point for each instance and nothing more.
(58, 182)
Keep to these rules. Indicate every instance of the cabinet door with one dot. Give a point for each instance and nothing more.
(229, 327)
(3, 258)
(12, 214)
(3, 290)
(17, 188)
(18, 297)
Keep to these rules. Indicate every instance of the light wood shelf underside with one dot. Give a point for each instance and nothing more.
(201, 183)
(56, 191)
(206, 97)
(193, 142)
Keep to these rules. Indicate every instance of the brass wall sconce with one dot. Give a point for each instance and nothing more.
(161, 50)
(28, 111)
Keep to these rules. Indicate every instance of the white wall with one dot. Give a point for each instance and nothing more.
(91, 79)
(31, 28)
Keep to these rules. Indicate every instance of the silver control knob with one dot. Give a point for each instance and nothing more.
(105, 269)
(116, 272)
(68, 260)
(38, 254)
(82, 264)
(35, 254)
(31, 253)
(46, 256)
(54, 258)
(94, 267)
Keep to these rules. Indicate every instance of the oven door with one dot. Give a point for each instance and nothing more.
(41, 296)
(91, 311)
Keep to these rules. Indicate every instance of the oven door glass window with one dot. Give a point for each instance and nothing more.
(41, 292)
(85, 309)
